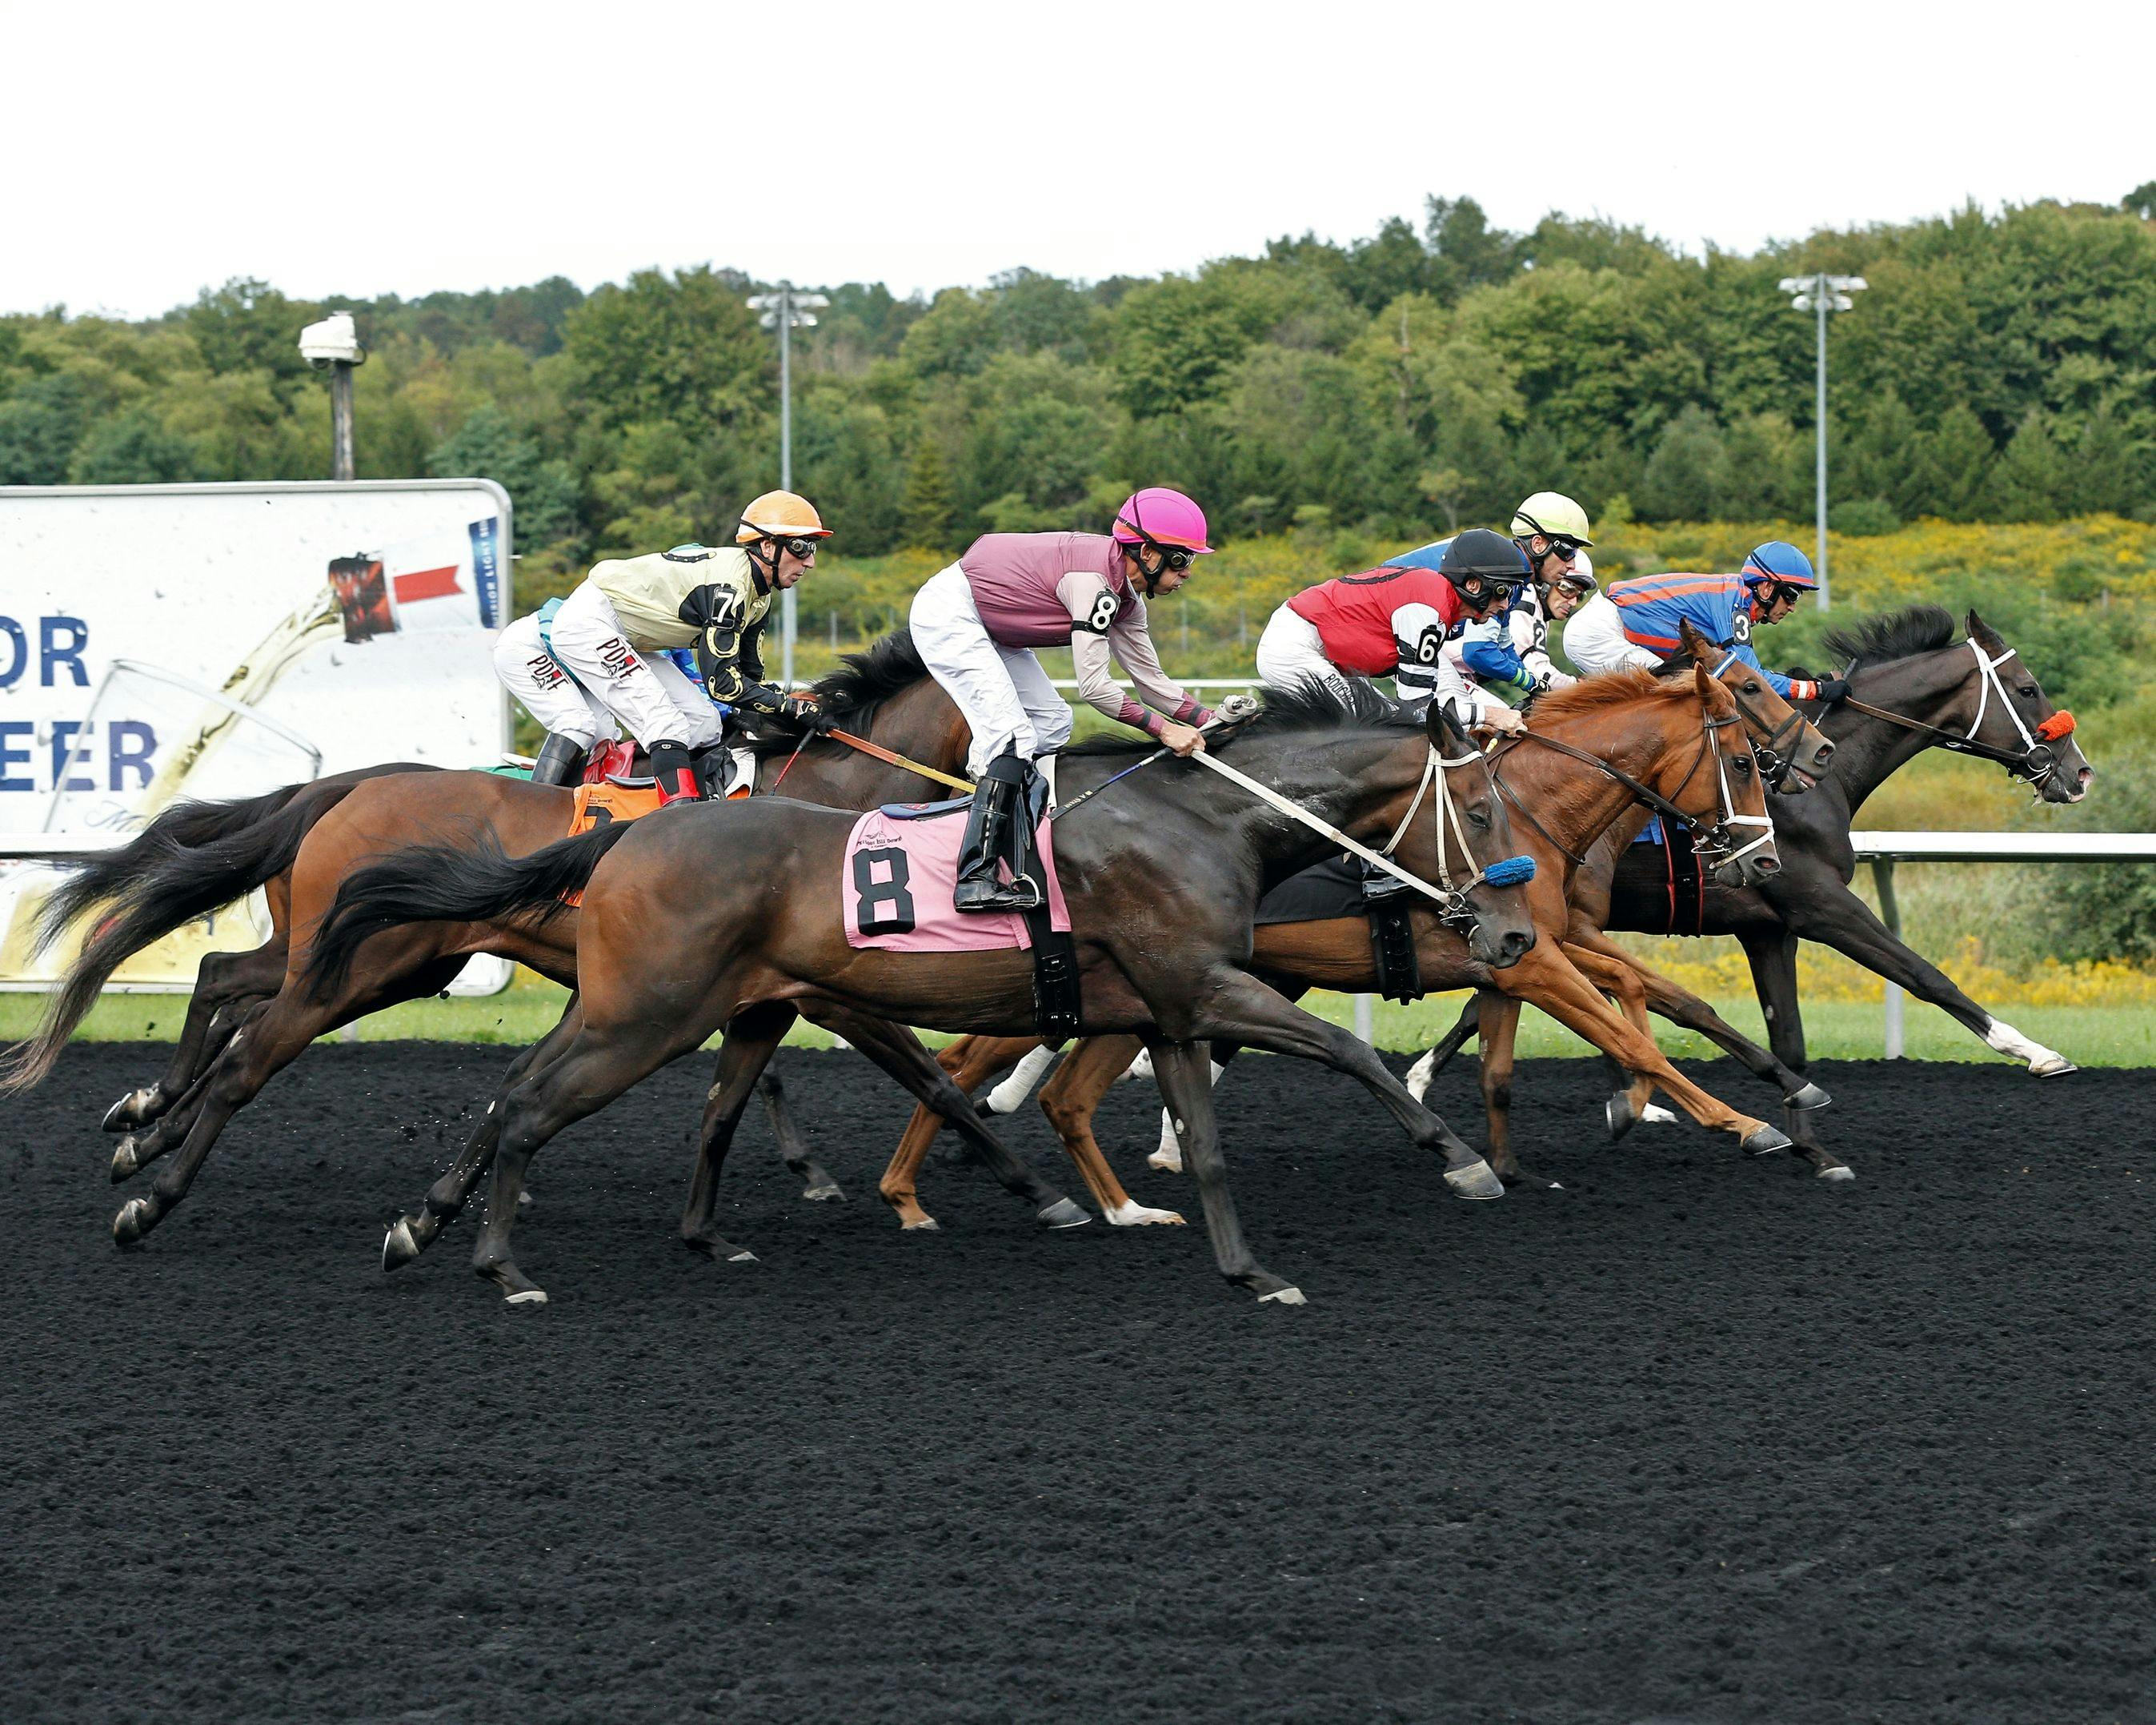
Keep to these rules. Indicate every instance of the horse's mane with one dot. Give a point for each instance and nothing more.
(1592, 693)
(1311, 705)
(851, 693)
(1898, 635)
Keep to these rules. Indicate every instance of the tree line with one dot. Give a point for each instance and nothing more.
(1423, 377)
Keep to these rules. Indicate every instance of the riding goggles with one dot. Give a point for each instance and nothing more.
(803, 549)
(1172, 556)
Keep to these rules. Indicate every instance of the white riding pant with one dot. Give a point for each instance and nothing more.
(1290, 652)
(654, 702)
(544, 690)
(1003, 691)
(1593, 640)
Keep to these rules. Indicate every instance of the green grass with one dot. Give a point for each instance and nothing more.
(2092, 1035)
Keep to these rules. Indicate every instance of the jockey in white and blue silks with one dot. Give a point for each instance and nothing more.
(1636, 623)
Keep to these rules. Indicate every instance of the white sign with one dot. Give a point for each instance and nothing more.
(216, 641)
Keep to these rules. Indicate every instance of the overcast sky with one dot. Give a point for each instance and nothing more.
(398, 147)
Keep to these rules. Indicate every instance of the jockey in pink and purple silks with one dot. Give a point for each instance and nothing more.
(977, 623)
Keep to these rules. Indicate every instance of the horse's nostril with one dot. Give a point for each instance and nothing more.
(1769, 866)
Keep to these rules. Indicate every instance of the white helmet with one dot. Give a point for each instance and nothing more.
(1552, 515)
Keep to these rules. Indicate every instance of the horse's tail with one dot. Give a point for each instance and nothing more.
(439, 883)
(192, 860)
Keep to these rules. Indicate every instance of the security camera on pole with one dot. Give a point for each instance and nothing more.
(333, 345)
(786, 311)
(1822, 293)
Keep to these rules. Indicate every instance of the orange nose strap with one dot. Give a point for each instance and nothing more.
(2059, 725)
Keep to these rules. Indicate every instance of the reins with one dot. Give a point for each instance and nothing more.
(2037, 762)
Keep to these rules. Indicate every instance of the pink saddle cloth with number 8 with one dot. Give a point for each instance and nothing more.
(897, 878)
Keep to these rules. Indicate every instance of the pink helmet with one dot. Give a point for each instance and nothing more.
(1159, 516)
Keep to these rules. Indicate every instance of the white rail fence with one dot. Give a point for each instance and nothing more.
(1882, 849)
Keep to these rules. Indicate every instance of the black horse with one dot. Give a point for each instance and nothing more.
(1913, 685)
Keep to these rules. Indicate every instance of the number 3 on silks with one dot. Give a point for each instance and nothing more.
(882, 907)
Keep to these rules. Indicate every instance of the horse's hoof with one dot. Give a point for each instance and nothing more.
(1837, 1173)
(927, 1224)
(126, 1164)
(1620, 1114)
(2056, 1065)
(134, 1220)
(828, 1193)
(1135, 1214)
(1810, 1096)
(517, 1289)
(398, 1247)
(1765, 1141)
(1063, 1214)
(1477, 1180)
(131, 1110)
(1285, 1296)
(525, 1200)
(525, 1296)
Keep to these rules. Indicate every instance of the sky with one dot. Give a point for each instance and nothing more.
(400, 148)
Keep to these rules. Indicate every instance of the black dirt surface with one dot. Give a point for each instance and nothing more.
(1698, 1439)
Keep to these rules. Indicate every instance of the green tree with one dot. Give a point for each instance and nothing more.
(2031, 475)
(682, 348)
(927, 512)
(1686, 475)
(131, 448)
(543, 493)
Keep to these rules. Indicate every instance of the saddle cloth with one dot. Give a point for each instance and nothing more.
(603, 803)
(897, 876)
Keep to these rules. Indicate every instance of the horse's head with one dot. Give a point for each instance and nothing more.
(1789, 748)
(2008, 710)
(1724, 791)
(1467, 837)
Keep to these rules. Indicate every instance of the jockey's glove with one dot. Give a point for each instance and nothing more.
(1832, 689)
(761, 698)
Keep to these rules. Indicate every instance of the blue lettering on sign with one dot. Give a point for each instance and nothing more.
(65, 732)
(10, 755)
(53, 652)
(18, 660)
(486, 569)
(132, 743)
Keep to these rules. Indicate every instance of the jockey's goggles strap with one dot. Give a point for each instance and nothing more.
(1296, 811)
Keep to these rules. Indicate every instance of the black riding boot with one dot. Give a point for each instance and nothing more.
(675, 775)
(560, 761)
(998, 837)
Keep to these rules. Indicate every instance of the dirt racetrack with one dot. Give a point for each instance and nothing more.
(1700, 1438)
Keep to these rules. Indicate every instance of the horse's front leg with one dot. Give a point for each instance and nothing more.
(1183, 1071)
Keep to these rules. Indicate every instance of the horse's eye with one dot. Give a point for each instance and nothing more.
(1742, 765)
(1751, 688)
(1476, 816)
(2029, 691)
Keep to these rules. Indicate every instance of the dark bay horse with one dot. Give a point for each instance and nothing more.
(1650, 731)
(1925, 689)
(1161, 874)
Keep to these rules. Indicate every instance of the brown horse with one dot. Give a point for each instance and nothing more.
(1649, 732)
(1161, 876)
(885, 690)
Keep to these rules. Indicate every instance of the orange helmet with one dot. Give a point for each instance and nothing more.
(781, 515)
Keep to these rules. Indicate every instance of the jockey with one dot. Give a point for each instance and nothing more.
(1510, 655)
(603, 655)
(1395, 622)
(977, 623)
(1635, 622)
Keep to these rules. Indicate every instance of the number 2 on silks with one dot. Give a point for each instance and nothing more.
(882, 907)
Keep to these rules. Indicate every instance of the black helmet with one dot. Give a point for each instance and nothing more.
(1481, 565)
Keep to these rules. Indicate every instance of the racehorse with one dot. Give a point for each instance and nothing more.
(1160, 877)
(885, 689)
(1913, 685)
(1640, 732)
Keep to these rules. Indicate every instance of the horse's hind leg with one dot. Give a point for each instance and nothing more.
(1184, 1070)
(1425, 1071)
(225, 981)
(1086, 1075)
(817, 1186)
(752, 1038)
(1773, 955)
(165, 1134)
(900, 1053)
(971, 1062)
(414, 1231)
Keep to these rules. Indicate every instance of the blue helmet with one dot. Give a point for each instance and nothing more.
(1781, 563)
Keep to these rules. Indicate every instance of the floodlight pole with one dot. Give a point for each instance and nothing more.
(783, 311)
(1821, 294)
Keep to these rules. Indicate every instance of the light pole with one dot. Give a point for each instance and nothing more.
(786, 311)
(333, 344)
(1822, 293)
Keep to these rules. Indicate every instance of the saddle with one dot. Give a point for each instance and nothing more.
(624, 763)
(1345, 886)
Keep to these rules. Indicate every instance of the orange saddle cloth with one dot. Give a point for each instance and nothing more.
(602, 804)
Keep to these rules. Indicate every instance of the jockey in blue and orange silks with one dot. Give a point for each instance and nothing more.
(1634, 623)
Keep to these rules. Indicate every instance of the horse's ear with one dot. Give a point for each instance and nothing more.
(1695, 643)
(1982, 632)
(1706, 687)
(1442, 727)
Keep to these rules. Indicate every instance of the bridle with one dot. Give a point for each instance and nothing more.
(1453, 909)
(2037, 760)
(1774, 766)
(1717, 845)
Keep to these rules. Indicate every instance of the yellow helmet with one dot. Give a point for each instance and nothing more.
(1552, 515)
(781, 515)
